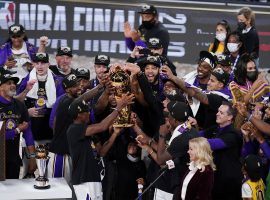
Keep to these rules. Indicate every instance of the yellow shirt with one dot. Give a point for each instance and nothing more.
(257, 189)
(220, 49)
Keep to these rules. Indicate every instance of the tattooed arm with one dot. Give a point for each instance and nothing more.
(192, 92)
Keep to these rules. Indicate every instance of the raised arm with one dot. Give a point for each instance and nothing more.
(192, 92)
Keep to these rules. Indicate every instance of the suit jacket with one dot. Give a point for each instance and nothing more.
(200, 185)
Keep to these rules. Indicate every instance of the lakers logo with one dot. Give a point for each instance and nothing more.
(10, 124)
(41, 101)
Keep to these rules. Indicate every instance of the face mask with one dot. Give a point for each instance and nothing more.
(232, 47)
(252, 76)
(221, 37)
(241, 26)
(148, 24)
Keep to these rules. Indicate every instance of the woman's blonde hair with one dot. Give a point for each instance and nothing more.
(203, 152)
(248, 14)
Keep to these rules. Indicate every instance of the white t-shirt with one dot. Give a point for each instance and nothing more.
(246, 191)
(21, 56)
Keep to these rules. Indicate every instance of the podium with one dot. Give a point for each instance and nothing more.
(12, 189)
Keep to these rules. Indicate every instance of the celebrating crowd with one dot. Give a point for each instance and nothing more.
(202, 135)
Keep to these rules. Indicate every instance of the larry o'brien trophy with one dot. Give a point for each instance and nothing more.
(120, 81)
(42, 182)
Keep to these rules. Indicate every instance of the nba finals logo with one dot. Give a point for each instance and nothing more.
(7, 14)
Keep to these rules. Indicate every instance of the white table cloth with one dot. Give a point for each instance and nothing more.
(12, 189)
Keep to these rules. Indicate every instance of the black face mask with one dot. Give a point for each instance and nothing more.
(148, 24)
(241, 26)
(252, 76)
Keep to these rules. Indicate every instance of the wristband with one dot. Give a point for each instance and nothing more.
(151, 152)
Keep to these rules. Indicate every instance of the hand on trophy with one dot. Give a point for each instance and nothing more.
(125, 100)
(115, 66)
(132, 68)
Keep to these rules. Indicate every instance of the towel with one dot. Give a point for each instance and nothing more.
(49, 87)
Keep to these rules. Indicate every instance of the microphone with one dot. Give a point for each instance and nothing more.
(170, 164)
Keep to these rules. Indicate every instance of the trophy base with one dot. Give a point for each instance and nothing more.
(42, 187)
(122, 125)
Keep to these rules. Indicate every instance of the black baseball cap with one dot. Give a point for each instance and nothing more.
(77, 107)
(148, 9)
(208, 57)
(102, 60)
(224, 60)
(154, 43)
(175, 95)
(178, 110)
(16, 30)
(64, 51)
(221, 76)
(154, 60)
(6, 77)
(252, 164)
(82, 73)
(70, 81)
(41, 57)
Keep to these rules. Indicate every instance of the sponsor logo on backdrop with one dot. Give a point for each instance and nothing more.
(42, 17)
(7, 14)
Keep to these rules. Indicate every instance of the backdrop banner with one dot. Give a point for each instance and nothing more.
(91, 28)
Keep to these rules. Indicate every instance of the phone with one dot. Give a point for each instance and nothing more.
(10, 58)
(145, 51)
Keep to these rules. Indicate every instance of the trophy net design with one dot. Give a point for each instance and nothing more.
(42, 182)
(120, 81)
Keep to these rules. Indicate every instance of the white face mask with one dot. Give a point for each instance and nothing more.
(221, 37)
(232, 47)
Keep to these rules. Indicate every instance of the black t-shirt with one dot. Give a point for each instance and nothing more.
(85, 166)
(251, 42)
(128, 173)
(13, 113)
(63, 120)
(206, 115)
(157, 31)
(178, 150)
(40, 125)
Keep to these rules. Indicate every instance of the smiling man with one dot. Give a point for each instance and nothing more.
(207, 102)
(63, 59)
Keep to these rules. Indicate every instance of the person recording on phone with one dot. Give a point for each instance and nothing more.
(154, 48)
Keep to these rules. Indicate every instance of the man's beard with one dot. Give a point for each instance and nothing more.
(11, 93)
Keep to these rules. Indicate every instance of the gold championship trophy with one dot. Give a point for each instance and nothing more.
(42, 182)
(120, 81)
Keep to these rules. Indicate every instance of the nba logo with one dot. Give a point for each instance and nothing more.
(7, 14)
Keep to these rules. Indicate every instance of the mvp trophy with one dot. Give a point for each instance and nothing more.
(120, 81)
(41, 158)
